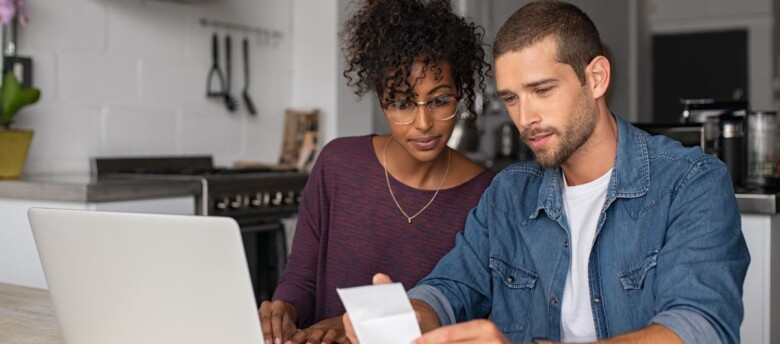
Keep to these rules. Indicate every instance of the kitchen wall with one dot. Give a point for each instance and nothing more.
(756, 16)
(128, 77)
(317, 69)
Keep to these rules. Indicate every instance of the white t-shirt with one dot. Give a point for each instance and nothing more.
(583, 205)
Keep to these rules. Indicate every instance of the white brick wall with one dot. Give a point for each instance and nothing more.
(128, 77)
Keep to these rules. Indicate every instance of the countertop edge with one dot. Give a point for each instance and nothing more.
(126, 190)
(98, 192)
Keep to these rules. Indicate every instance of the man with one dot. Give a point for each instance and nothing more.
(609, 234)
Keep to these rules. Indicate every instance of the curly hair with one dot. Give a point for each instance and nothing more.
(385, 37)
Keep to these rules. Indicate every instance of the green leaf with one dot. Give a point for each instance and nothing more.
(13, 97)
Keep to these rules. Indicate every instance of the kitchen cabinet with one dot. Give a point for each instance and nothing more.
(761, 293)
(19, 263)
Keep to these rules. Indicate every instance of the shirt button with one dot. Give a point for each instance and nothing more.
(597, 300)
(510, 279)
(566, 244)
(554, 301)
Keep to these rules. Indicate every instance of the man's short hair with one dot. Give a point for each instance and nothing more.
(577, 38)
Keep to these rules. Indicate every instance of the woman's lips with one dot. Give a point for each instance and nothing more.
(425, 143)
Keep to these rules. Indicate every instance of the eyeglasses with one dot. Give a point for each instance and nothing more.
(441, 108)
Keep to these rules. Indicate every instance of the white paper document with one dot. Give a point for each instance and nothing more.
(380, 314)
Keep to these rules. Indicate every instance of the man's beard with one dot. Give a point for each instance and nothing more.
(576, 132)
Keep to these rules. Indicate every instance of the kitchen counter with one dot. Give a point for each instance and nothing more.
(27, 316)
(759, 203)
(84, 188)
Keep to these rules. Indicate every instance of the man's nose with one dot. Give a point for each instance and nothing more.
(525, 114)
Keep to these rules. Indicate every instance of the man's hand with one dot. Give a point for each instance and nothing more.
(475, 331)
(277, 320)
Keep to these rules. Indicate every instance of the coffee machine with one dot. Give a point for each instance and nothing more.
(763, 149)
(725, 131)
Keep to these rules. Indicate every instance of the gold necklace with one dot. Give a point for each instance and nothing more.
(387, 179)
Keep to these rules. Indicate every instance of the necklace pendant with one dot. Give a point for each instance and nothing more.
(410, 220)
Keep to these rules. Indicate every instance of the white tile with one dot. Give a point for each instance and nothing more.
(218, 134)
(65, 25)
(128, 77)
(98, 79)
(162, 83)
(139, 131)
(145, 31)
(64, 137)
(264, 138)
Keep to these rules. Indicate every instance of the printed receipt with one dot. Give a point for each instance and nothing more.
(380, 314)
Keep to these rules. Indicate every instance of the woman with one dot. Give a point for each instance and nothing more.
(391, 203)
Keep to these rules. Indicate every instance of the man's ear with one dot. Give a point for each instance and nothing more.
(597, 75)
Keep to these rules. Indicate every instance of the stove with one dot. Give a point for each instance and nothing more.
(257, 198)
(238, 193)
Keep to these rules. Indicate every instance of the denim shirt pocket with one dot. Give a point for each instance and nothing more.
(513, 288)
(634, 278)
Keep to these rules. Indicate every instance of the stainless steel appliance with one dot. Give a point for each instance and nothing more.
(258, 199)
(732, 146)
(708, 112)
(690, 134)
(763, 148)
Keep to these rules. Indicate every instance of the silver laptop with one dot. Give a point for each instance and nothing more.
(143, 279)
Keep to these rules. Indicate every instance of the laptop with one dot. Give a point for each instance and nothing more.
(142, 278)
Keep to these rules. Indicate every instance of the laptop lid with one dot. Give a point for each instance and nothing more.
(142, 278)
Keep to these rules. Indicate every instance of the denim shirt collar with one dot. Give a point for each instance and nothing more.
(630, 173)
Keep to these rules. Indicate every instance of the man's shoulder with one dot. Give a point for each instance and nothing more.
(666, 151)
(671, 163)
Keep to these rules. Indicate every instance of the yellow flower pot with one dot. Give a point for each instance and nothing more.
(13, 152)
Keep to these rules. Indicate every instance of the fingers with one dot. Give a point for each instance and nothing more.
(314, 335)
(308, 336)
(265, 321)
(349, 330)
(330, 336)
(277, 317)
(475, 331)
(381, 279)
(275, 322)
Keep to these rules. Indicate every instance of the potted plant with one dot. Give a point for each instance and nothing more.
(13, 143)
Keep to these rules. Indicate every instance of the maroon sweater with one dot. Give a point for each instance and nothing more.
(349, 229)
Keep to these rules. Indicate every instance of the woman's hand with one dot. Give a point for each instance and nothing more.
(327, 331)
(277, 320)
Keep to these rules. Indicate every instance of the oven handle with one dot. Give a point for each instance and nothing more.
(268, 227)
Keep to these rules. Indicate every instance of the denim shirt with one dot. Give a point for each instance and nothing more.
(668, 249)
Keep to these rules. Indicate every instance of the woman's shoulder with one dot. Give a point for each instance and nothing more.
(350, 147)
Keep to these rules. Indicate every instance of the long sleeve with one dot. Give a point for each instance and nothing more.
(705, 258)
(298, 283)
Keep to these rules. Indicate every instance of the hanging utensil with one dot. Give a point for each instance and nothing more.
(210, 90)
(230, 102)
(250, 106)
